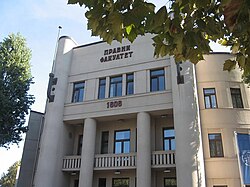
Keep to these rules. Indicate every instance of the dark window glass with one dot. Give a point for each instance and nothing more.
(210, 98)
(236, 98)
(102, 86)
(170, 182)
(169, 139)
(115, 87)
(157, 80)
(120, 182)
(102, 182)
(220, 186)
(122, 142)
(76, 183)
(79, 149)
(130, 84)
(78, 92)
(105, 142)
(215, 145)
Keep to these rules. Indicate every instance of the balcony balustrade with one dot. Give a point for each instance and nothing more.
(160, 159)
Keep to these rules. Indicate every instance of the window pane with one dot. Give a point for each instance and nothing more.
(118, 147)
(78, 92)
(213, 100)
(173, 144)
(161, 83)
(130, 88)
(210, 98)
(169, 133)
(126, 148)
(119, 89)
(236, 98)
(215, 145)
(102, 87)
(166, 145)
(102, 182)
(209, 91)
(112, 90)
(154, 86)
(207, 102)
(122, 135)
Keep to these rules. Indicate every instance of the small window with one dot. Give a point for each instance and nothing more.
(236, 98)
(120, 182)
(170, 182)
(122, 141)
(102, 87)
(105, 142)
(115, 87)
(157, 80)
(102, 182)
(78, 92)
(210, 98)
(169, 139)
(130, 84)
(215, 145)
(79, 148)
(76, 183)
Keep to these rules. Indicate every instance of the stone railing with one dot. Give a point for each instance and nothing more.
(163, 159)
(160, 159)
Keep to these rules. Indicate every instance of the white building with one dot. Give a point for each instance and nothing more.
(118, 117)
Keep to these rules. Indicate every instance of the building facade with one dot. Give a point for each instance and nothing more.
(118, 117)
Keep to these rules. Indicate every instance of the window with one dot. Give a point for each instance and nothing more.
(170, 182)
(236, 98)
(157, 80)
(78, 92)
(120, 182)
(79, 149)
(102, 182)
(210, 98)
(168, 139)
(215, 145)
(220, 186)
(76, 183)
(105, 142)
(122, 141)
(115, 87)
(102, 86)
(130, 84)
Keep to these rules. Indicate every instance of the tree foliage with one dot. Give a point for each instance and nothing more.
(15, 82)
(182, 28)
(9, 179)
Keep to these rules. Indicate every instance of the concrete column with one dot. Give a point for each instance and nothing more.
(143, 170)
(88, 153)
(55, 140)
(189, 150)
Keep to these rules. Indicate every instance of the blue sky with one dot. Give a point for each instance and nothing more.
(38, 22)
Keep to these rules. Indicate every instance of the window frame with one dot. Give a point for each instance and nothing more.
(104, 142)
(128, 82)
(216, 146)
(122, 141)
(101, 86)
(157, 77)
(76, 90)
(165, 185)
(115, 83)
(113, 179)
(168, 138)
(209, 95)
(237, 101)
(79, 144)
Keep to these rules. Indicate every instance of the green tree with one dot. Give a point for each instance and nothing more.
(15, 82)
(182, 28)
(9, 179)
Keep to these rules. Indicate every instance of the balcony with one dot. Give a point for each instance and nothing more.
(160, 159)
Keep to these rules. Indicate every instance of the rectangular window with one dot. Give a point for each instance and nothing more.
(210, 98)
(120, 182)
(105, 142)
(102, 86)
(115, 87)
(130, 84)
(215, 145)
(102, 182)
(168, 139)
(76, 183)
(79, 148)
(78, 92)
(157, 80)
(170, 182)
(236, 98)
(122, 141)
